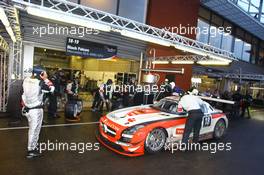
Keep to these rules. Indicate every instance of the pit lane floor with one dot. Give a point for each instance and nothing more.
(246, 156)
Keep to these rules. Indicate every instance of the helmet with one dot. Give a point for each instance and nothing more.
(37, 71)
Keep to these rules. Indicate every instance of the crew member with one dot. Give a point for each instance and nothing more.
(53, 97)
(34, 88)
(106, 94)
(72, 90)
(247, 99)
(237, 97)
(192, 104)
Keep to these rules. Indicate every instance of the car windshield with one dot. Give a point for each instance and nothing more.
(166, 106)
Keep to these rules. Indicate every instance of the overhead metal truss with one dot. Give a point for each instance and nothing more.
(245, 76)
(194, 58)
(13, 17)
(254, 77)
(119, 24)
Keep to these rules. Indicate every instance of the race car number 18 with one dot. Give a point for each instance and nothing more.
(207, 121)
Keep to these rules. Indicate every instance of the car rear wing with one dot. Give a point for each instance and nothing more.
(217, 100)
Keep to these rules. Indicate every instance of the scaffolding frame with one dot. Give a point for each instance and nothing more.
(13, 17)
(119, 24)
(16, 62)
(3, 44)
(11, 56)
(253, 77)
(193, 58)
(4, 50)
(3, 80)
(245, 76)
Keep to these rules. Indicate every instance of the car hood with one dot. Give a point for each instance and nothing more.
(138, 115)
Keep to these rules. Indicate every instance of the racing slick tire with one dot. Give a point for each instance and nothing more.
(71, 111)
(220, 129)
(155, 140)
(79, 106)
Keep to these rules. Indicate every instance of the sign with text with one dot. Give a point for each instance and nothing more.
(89, 49)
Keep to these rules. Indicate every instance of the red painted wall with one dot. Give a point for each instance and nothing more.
(173, 13)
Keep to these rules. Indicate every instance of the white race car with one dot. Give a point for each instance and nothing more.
(135, 130)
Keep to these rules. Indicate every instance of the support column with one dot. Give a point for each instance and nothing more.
(28, 60)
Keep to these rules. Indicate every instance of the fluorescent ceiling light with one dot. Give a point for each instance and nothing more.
(219, 58)
(214, 62)
(6, 23)
(145, 37)
(160, 62)
(66, 18)
(182, 62)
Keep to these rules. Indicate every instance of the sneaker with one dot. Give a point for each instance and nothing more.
(33, 154)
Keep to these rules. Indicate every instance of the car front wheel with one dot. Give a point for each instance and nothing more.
(155, 141)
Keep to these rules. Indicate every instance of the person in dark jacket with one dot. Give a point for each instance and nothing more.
(247, 99)
(106, 94)
(52, 108)
(96, 99)
(237, 97)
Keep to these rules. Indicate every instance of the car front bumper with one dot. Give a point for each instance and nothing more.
(125, 149)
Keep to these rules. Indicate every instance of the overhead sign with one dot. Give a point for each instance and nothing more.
(89, 49)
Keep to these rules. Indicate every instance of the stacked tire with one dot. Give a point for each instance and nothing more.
(73, 110)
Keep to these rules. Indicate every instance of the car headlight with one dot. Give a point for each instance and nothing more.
(132, 130)
(127, 134)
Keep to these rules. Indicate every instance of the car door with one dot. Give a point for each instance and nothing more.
(207, 119)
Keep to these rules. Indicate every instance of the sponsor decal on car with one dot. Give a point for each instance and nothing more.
(109, 124)
(179, 130)
(142, 111)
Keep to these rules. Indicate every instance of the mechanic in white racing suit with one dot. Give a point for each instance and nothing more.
(34, 88)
